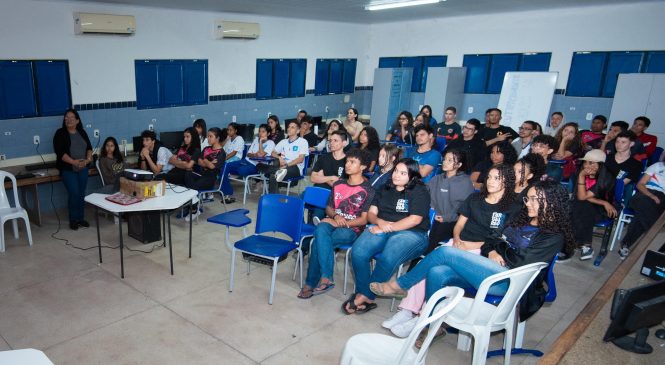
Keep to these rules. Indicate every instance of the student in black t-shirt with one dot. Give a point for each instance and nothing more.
(621, 164)
(306, 131)
(369, 140)
(492, 132)
(471, 143)
(330, 167)
(570, 149)
(186, 157)
(211, 160)
(499, 153)
(398, 230)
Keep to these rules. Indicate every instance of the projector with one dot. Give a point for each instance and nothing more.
(138, 175)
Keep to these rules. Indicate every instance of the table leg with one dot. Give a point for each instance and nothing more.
(190, 231)
(164, 227)
(122, 262)
(99, 240)
(168, 216)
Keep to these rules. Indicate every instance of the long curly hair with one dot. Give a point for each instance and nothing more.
(506, 149)
(507, 176)
(536, 165)
(553, 212)
(577, 141)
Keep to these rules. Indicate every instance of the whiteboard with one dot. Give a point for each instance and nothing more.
(526, 96)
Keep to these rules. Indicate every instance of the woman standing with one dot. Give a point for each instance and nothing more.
(74, 154)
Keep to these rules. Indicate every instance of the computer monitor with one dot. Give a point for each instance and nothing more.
(171, 140)
(635, 310)
(137, 144)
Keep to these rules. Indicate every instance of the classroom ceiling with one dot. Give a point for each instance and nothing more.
(353, 11)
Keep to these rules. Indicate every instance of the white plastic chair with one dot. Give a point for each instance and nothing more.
(479, 319)
(99, 171)
(377, 349)
(7, 212)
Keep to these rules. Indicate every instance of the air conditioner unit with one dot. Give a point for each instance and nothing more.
(104, 23)
(225, 29)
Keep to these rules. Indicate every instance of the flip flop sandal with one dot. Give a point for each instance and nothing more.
(351, 304)
(324, 288)
(368, 307)
(305, 294)
(377, 289)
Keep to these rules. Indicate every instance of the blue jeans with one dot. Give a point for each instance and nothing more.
(238, 167)
(395, 248)
(450, 266)
(322, 255)
(75, 183)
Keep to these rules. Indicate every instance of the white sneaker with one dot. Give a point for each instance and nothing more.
(316, 221)
(280, 175)
(193, 216)
(403, 330)
(401, 316)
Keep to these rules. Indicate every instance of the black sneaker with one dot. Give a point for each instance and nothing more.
(229, 200)
(563, 257)
(624, 252)
(83, 223)
(587, 253)
(74, 226)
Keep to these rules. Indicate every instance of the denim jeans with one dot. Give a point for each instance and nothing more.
(395, 248)
(238, 167)
(322, 255)
(75, 183)
(450, 266)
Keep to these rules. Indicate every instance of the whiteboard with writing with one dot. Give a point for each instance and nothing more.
(526, 96)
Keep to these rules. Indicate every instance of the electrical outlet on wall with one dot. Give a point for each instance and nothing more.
(151, 127)
(35, 139)
(123, 142)
(96, 133)
(3, 157)
(327, 108)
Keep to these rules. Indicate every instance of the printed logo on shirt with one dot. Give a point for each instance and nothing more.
(340, 171)
(444, 190)
(622, 174)
(295, 148)
(497, 220)
(402, 206)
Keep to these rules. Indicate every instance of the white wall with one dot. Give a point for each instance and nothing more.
(636, 26)
(102, 66)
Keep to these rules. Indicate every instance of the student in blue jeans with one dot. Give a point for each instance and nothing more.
(398, 231)
(346, 217)
(537, 234)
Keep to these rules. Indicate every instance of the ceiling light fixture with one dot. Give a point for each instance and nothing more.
(398, 4)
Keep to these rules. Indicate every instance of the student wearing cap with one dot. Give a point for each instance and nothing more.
(593, 202)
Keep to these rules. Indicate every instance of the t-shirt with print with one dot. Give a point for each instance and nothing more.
(268, 147)
(487, 133)
(449, 131)
(236, 144)
(656, 173)
(432, 158)
(592, 140)
(291, 150)
(482, 218)
(395, 205)
(350, 201)
(629, 169)
(330, 167)
(210, 154)
(183, 155)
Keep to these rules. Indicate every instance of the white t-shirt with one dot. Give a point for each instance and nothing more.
(268, 147)
(292, 150)
(163, 157)
(656, 174)
(236, 144)
(204, 142)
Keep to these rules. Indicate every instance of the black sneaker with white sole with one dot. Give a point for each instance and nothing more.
(587, 253)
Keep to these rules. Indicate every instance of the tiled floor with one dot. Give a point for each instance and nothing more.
(61, 300)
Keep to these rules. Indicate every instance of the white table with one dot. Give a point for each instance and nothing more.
(175, 197)
(24, 357)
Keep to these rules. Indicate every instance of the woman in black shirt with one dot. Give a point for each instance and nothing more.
(74, 154)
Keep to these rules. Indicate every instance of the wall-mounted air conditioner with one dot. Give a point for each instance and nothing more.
(104, 23)
(225, 29)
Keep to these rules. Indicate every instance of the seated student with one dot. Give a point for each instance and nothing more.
(276, 132)
(545, 145)
(401, 131)
(369, 141)
(301, 115)
(649, 141)
(536, 234)
(154, 157)
(493, 132)
(528, 170)
(210, 162)
(620, 163)
(449, 128)
(201, 132)
(111, 163)
(234, 146)
(556, 121)
(428, 159)
(593, 138)
(570, 148)
(420, 119)
(329, 168)
(346, 217)
(388, 157)
(427, 110)
(352, 125)
(648, 204)
(399, 223)
(262, 146)
(500, 153)
(186, 157)
(334, 125)
(289, 157)
(307, 133)
(472, 145)
(637, 151)
(539, 129)
(522, 145)
(478, 216)
(594, 198)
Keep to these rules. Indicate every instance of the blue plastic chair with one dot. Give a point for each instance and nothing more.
(316, 197)
(608, 224)
(656, 155)
(276, 213)
(296, 178)
(441, 144)
(217, 189)
(626, 215)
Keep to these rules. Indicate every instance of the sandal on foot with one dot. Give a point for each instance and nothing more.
(351, 305)
(378, 289)
(423, 335)
(366, 307)
(323, 288)
(305, 293)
